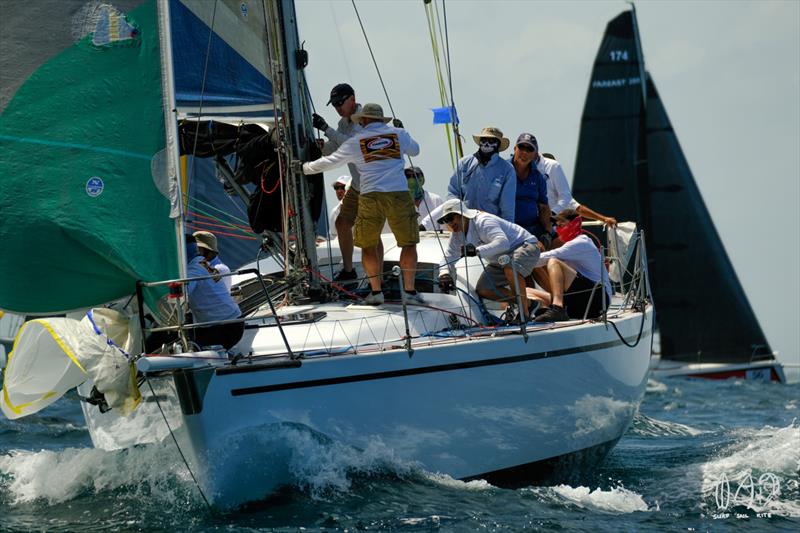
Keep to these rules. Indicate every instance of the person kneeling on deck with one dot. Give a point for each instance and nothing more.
(377, 152)
(210, 301)
(570, 274)
(478, 233)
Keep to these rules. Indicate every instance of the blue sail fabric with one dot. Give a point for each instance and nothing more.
(226, 74)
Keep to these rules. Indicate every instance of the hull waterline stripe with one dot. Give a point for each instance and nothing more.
(428, 369)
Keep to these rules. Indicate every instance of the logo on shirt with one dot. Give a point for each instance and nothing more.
(380, 147)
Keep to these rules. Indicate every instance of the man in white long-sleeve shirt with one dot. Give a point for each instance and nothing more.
(377, 153)
(571, 274)
(489, 236)
(559, 195)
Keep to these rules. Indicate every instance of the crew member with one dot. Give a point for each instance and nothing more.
(476, 232)
(377, 153)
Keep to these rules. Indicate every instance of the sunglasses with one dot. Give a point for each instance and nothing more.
(340, 103)
(526, 148)
(449, 218)
(339, 187)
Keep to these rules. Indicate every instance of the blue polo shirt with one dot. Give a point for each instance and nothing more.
(531, 192)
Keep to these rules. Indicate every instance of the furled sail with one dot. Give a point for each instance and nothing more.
(630, 165)
(82, 214)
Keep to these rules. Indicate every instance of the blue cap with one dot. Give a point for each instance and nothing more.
(529, 139)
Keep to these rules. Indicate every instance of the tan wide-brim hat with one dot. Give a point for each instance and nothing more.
(492, 132)
(207, 240)
(370, 111)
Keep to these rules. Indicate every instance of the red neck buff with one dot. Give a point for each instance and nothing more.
(570, 231)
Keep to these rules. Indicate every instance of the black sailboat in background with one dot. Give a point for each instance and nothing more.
(630, 164)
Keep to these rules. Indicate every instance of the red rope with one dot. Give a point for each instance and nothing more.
(217, 232)
(217, 219)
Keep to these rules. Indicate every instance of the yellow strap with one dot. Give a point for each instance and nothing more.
(429, 15)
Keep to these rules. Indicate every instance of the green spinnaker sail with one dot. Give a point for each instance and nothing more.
(81, 218)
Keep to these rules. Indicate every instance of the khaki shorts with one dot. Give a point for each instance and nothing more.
(375, 208)
(349, 210)
(525, 258)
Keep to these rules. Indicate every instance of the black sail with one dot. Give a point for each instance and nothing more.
(704, 314)
(611, 156)
(630, 165)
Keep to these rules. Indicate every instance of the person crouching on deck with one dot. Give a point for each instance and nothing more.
(489, 236)
(210, 299)
(570, 274)
(377, 152)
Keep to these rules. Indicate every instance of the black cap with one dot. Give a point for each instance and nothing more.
(340, 93)
(530, 140)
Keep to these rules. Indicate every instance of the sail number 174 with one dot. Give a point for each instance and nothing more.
(618, 55)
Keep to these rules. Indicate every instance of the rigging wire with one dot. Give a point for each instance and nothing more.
(374, 62)
(467, 308)
(175, 440)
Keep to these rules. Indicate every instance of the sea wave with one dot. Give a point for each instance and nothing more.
(59, 476)
(617, 500)
(644, 426)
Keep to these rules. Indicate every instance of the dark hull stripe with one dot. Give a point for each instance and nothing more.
(430, 369)
(568, 468)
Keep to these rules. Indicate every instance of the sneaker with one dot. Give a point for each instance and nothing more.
(415, 299)
(555, 313)
(344, 275)
(509, 316)
(373, 299)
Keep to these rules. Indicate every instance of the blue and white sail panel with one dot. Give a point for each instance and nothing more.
(220, 58)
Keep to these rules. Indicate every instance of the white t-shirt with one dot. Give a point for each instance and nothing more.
(581, 254)
(377, 152)
(426, 207)
(559, 196)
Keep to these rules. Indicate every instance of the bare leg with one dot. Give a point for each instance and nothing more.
(344, 228)
(542, 296)
(372, 266)
(408, 264)
(540, 275)
(561, 277)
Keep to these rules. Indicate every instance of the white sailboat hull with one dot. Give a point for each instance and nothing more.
(493, 407)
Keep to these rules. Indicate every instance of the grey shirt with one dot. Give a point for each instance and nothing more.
(336, 137)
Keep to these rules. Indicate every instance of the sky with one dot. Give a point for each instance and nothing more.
(728, 73)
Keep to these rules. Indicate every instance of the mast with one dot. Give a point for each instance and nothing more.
(293, 130)
(171, 126)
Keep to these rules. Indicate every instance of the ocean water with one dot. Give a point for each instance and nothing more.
(699, 456)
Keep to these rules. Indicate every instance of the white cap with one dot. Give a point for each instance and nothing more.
(454, 205)
(344, 180)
